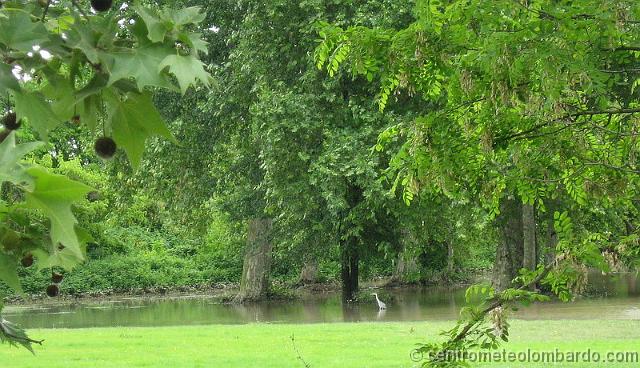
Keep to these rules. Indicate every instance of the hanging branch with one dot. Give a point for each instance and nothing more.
(46, 10)
(80, 10)
(525, 133)
(496, 304)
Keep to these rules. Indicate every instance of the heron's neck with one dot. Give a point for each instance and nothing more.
(376, 295)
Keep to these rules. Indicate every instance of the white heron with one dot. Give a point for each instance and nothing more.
(381, 305)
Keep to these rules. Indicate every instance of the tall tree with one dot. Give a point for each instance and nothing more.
(532, 100)
(291, 151)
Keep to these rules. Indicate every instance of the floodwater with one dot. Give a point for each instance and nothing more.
(612, 297)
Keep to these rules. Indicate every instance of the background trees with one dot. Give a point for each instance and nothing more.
(274, 109)
(503, 131)
(530, 103)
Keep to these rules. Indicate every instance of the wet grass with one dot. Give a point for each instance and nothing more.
(320, 345)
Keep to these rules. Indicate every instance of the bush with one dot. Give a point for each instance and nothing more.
(128, 272)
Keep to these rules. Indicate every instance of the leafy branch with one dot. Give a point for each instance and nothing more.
(461, 340)
(94, 70)
(499, 302)
(525, 133)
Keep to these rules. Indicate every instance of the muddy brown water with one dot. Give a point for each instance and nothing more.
(610, 297)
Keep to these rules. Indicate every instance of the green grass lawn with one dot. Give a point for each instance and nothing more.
(321, 345)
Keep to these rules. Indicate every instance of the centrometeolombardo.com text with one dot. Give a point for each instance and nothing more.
(531, 356)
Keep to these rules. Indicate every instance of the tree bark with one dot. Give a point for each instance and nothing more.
(552, 238)
(451, 264)
(509, 253)
(405, 266)
(254, 284)
(349, 270)
(309, 272)
(529, 237)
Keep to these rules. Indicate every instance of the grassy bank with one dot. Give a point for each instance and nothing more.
(321, 345)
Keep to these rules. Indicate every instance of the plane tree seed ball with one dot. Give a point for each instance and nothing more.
(27, 260)
(11, 121)
(56, 278)
(105, 147)
(101, 5)
(53, 290)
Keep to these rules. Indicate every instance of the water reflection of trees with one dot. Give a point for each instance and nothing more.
(407, 304)
(351, 312)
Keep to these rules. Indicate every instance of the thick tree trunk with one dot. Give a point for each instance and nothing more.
(254, 284)
(529, 237)
(629, 227)
(509, 253)
(405, 266)
(349, 248)
(349, 270)
(309, 272)
(451, 264)
(502, 272)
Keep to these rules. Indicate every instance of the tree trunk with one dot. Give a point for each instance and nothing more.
(349, 270)
(349, 247)
(405, 266)
(552, 239)
(451, 264)
(632, 285)
(309, 272)
(254, 284)
(509, 253)
(629, 227)
(530, 260)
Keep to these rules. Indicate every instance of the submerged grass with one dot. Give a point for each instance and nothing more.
(320, 345)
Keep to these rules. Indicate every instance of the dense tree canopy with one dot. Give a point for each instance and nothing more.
(535, 100)
(448, 136)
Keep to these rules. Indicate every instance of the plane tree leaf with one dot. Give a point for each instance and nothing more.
(161, 23)
(11, 169)
(8, 273)
(32, 105)
(15, 335)
(87, 68)
(142, 64)
(7, 80)
(19, 33)
(188, 70)
(157, 27)
(189, 15)
(53, 194)
(194, 40)
(133, 121)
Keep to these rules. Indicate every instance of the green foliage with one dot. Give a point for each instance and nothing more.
(538, 102)
(58, 64)
(14, 335)
(133, 121)
(53, 195)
